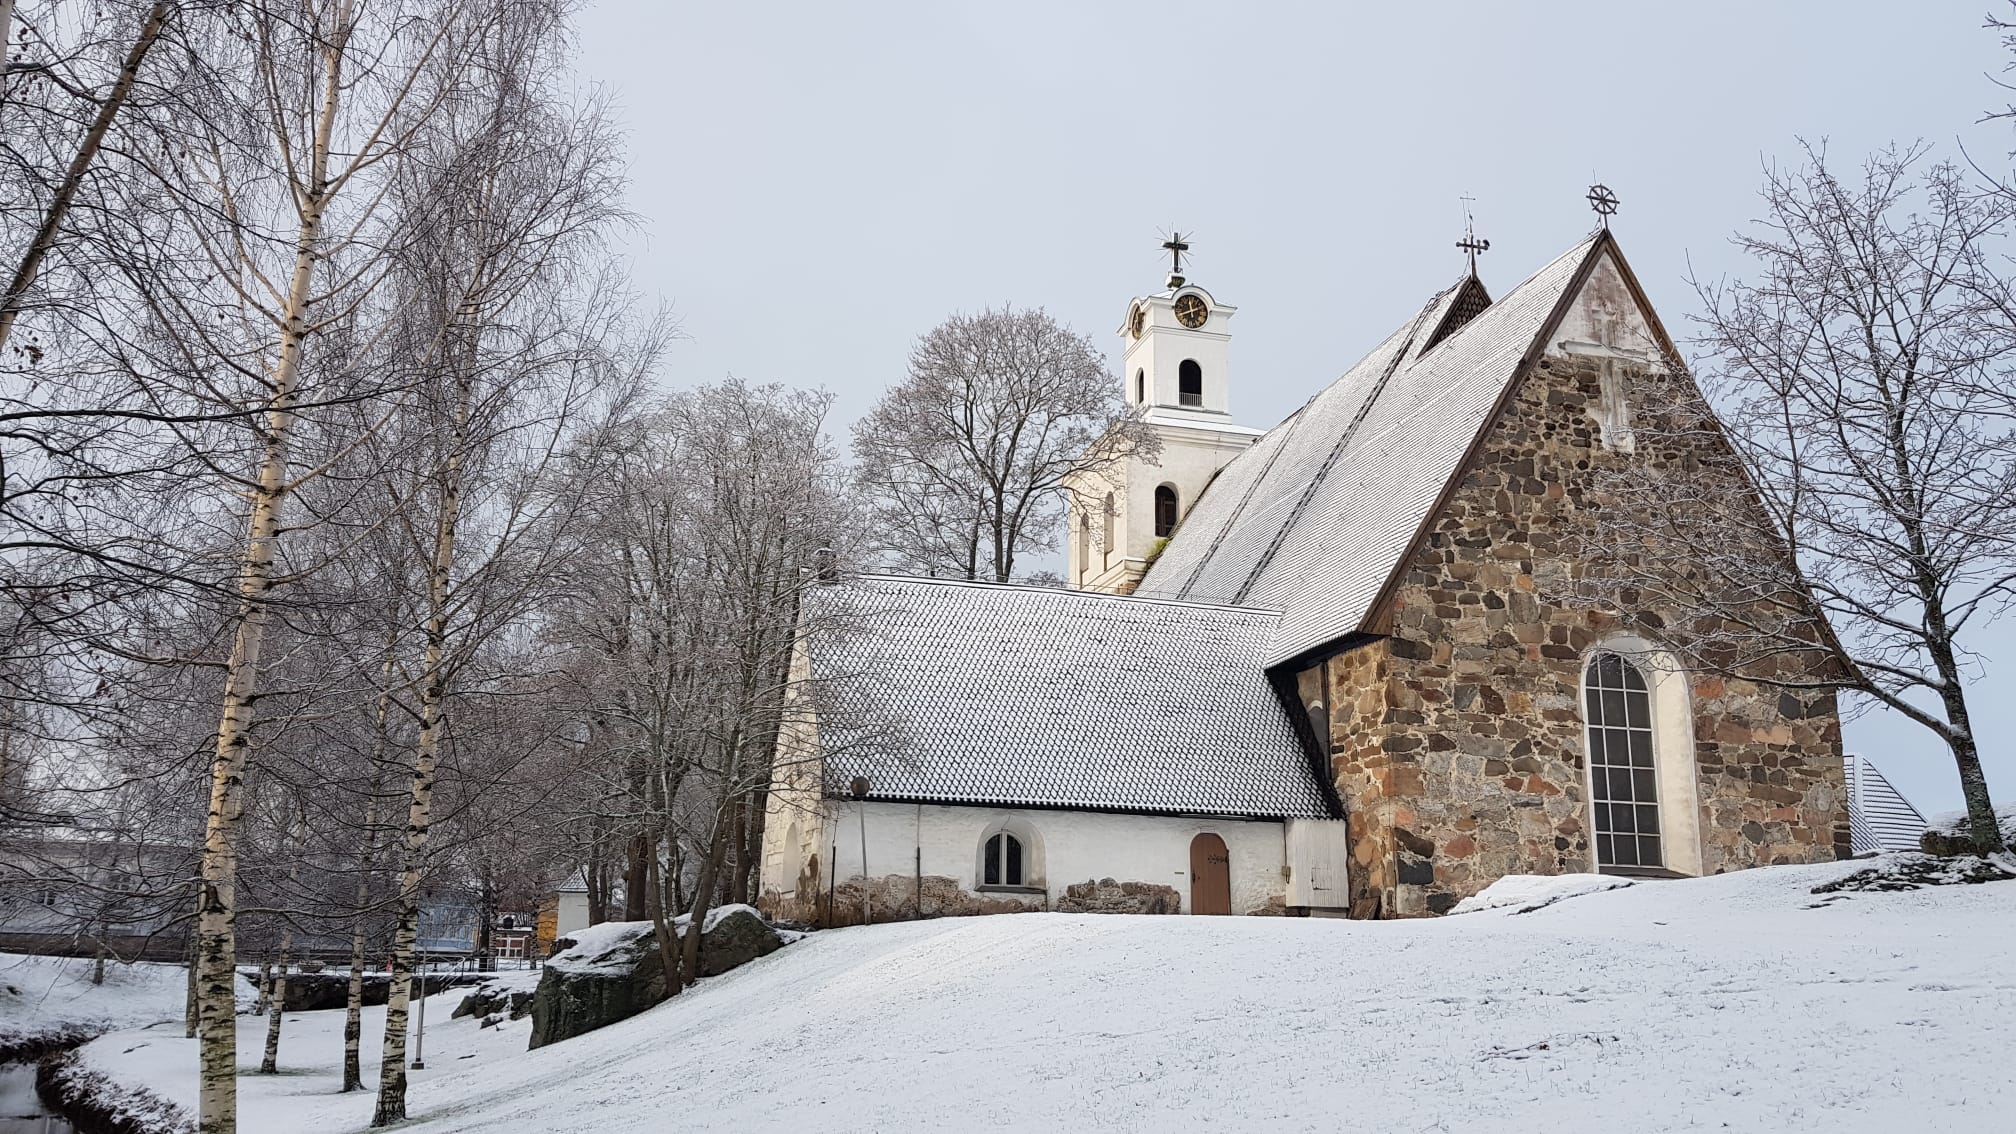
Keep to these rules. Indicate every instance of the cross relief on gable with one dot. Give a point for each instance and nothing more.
(1613, 417)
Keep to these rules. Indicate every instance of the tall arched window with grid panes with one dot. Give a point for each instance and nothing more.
(1623, 773)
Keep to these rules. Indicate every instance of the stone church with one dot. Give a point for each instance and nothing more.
(1315, 669)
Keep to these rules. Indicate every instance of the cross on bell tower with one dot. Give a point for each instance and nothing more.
(1176, 246)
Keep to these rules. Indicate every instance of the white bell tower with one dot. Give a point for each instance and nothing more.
(1175, 373)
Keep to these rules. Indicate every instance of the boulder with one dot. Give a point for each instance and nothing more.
(510, 996)
(612, 971)
(735, 936)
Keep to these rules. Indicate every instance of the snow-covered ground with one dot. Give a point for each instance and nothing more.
(1743, 1002)
(45, 995)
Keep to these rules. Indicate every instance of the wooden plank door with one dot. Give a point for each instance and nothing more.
(1210, 875)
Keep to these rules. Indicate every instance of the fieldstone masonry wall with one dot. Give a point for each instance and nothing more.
(1457, 742)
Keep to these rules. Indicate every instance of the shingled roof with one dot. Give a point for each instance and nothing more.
(1025, 696)
(1313, 519)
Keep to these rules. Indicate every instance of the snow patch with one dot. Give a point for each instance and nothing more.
(1910, 870)
(1955, 823)
(1529, 892)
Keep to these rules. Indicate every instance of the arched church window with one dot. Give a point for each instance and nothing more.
(1165, 511)
(1141, 387)
(1084, 542)
(1002, 865)
(1190, 383)
(1107, 547)
(1623, 780)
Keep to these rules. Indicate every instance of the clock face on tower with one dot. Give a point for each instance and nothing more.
(1191, 311)
(1137, 320)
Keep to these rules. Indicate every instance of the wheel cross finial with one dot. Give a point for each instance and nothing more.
(1603, 201)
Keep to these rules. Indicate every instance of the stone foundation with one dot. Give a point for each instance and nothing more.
(1108, 896)
(897, 897)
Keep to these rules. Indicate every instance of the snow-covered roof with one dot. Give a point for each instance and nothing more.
(1313, 519)
(1027, 696)
(1879, 817)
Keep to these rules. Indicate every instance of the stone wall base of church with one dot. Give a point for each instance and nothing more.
(1108, 896)
(896, 897)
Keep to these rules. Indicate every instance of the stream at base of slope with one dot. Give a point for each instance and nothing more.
(21, 1109)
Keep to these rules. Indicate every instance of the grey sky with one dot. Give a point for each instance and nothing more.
(820, 183)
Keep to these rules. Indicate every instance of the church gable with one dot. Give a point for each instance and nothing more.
(1464, 746)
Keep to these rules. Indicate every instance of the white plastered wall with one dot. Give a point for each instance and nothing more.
(1076, 846)
(794, 815)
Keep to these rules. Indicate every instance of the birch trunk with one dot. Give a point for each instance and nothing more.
(269, 1062)
(433, 704)
(217, 951)
(353, 1005)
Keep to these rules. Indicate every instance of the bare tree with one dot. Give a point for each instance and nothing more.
(1860, 483)
(965, 460)
(725, 507)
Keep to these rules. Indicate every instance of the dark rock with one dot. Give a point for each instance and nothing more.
(613, 971)
(583, 989)
(1946, 844)
(735, 939)
(489, 999)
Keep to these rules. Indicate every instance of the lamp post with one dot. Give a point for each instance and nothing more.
(858, 788)
(420, 1032)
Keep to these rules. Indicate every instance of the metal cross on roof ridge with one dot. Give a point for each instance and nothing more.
(1471, 242)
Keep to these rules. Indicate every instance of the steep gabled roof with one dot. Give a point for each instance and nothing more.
(1023, 696)
(1314, 518)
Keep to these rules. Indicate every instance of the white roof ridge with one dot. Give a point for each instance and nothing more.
(985, 584)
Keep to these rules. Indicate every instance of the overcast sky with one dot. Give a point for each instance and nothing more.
(820, 183)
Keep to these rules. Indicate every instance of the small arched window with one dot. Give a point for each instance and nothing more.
(1190, 383)
(1002, 865)
(1107, 547)
(1084, 542)
(1623, 781)
(1141, 387)
(1165, 511)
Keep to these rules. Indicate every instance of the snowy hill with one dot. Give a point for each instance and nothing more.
(1743, 1001)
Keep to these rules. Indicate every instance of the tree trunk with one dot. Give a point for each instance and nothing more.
(1981, 821)
(189, 1006)
(738, 878)
(265, 998)
(667, 937)
(433, 710)
(217, 1023)
(703, 892)
(637, 878)
(269, 1062)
